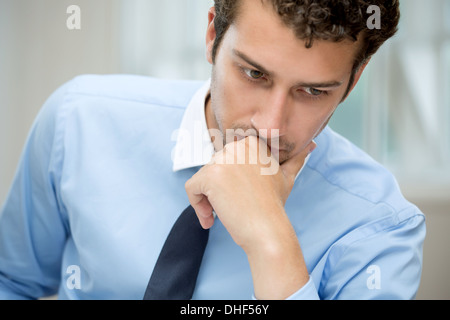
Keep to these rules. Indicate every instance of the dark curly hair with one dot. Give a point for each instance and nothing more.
(331, 20)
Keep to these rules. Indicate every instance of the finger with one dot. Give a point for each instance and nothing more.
(204, 212)
(293, 165)
(200, 203)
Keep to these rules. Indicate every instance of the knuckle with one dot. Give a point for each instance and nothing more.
(190, 184)
(216, 170)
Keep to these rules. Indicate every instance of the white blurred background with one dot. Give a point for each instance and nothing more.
(399, 113)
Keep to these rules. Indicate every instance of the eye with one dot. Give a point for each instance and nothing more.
(254, 74)
(314, 92)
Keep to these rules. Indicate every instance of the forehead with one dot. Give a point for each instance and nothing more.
(260, 33)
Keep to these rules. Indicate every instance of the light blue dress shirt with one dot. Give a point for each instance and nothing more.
(101, 182)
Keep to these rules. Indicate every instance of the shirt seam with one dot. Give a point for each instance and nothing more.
(79, 93)
(56, 162)
(355, 194)
(395, 223)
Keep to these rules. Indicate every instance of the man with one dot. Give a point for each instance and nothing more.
(96, 193)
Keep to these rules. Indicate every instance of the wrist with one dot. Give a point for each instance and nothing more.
(277, 264)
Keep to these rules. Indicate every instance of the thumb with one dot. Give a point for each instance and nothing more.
(292, 166)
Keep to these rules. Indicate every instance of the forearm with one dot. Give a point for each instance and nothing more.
(277, 264)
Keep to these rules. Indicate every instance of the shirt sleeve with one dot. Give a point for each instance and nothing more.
(307, 292)
(32, 227)
(384, 263)
(380, 261)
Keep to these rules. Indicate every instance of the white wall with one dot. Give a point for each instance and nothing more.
(435, 281)
(37, 54)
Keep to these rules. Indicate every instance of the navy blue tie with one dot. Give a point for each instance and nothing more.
(175, 273)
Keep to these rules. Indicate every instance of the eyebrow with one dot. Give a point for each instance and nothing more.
(251, 62)
(328, 84)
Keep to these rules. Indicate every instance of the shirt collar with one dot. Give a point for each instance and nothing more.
(193, 143)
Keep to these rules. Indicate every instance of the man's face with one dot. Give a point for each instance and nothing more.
(264, 78)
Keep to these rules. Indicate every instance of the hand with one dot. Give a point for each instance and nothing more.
(251, 207)
(234, 182)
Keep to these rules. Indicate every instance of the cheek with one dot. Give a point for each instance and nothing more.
(322, 122)
(234, 102)
(307, 125)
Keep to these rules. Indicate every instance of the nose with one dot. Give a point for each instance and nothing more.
(271, 116)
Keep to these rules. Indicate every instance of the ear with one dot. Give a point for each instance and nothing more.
(210, 34)
(358, 75)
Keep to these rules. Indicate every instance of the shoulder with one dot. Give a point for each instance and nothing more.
(134, 88)
(344, 166)
(111, 103)
(97, 95)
